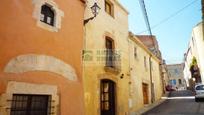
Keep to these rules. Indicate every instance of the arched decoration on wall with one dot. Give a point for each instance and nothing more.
(34, 62)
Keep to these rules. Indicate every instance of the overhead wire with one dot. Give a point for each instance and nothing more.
(144, 11)
(169, 17)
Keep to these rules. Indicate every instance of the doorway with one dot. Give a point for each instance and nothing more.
(145, 93)
(107, 97)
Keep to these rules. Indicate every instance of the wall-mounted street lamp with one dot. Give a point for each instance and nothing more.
(95, 9)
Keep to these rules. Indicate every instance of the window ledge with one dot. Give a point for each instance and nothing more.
(112, 69)
(47, 26)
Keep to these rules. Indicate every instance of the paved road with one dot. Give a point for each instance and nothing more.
(179, 103)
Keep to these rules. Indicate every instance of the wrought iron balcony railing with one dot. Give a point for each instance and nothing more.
(113, 60)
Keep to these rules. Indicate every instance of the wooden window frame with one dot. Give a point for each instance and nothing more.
(111, 8)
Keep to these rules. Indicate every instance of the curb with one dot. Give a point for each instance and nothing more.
(153, 105)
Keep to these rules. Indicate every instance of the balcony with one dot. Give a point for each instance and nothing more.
(113, 61)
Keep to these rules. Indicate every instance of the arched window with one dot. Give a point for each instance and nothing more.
(47, 15)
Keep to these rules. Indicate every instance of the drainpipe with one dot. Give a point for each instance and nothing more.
(152, 86)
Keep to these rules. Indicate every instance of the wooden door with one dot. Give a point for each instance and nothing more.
(107, 97)
(145, 93)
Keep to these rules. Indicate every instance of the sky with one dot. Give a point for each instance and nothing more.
(172, 35)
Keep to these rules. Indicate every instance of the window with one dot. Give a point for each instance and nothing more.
(176, 71)
(135, 52)
(180, 82)
(173, 82)
(145, 62)
(47, 15)
(193, 41)
(30, 104)
(109, 52)
(109, 7)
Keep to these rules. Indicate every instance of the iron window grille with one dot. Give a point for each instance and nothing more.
(23, 104)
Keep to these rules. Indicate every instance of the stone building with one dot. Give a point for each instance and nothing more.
(41, 60)
(176, 76)
(146, 83)
(152, 44)
(106, 61)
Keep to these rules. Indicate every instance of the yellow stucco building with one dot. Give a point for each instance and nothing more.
(144, 70)
(106, 60)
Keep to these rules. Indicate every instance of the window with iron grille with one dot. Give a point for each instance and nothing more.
(47, 15)
(30, 104)
(110, 52)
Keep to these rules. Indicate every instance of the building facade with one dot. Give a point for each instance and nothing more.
(193, 58)
(176, 76)
(146, 83)
(106, 61)
(188, 56)
(152, 44)
(165, 76)
(41, 60)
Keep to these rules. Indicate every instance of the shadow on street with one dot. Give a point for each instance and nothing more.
(179, 103)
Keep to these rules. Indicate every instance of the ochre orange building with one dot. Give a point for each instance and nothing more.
(40, 57)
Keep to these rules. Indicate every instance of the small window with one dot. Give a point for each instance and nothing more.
(180, 82)
(145, 62)
(109, 7)
(47, 15)
(176, 71)
(174, 82)
(30, 104)
(135, 52)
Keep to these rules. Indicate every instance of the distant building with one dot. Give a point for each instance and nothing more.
(176, 77)
(165, 75)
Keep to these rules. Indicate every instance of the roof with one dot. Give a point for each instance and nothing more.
(142, 45)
